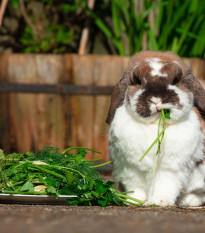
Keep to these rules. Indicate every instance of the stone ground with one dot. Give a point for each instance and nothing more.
(60, 219)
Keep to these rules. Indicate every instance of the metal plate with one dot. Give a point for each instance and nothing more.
(34, 199)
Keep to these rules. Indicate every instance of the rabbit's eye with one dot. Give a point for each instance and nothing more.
(177, 77)
(176, 80)
(137, 80)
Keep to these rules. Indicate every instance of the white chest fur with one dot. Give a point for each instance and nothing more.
(129, 139)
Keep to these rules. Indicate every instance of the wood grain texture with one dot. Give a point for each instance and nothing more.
(108, 70)
(83, 106)
(36, 119)
(29, 121)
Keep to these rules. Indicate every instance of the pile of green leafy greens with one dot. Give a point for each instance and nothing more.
(165, 114)
(49, 172)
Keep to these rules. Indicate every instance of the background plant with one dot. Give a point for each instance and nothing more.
(47, 26)
(179, 27)
(175, 25)
(116, 26)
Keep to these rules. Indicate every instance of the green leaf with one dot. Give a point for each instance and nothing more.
(51, 190)
(88, 195)
(69, 177)
(18, 177)
(73, 201)
(49, 181)
(95, 194)
(100, 187)
(28, 186)
(40, 177)
(167, 113)
(103, 203)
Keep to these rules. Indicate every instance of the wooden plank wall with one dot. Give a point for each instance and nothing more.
(30, 121)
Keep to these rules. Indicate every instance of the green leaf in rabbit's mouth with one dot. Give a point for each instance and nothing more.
(167, 113)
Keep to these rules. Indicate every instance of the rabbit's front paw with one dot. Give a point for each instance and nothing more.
(159, 201)
(139, 194)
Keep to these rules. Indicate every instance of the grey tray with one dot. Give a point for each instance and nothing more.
(34, 199)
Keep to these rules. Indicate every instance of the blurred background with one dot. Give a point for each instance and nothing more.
(60, 60)
(120, 27)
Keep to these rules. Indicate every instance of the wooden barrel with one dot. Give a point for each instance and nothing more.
(28, 121)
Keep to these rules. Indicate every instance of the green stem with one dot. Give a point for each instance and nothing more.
(68, 168)
(83, 148)
(129, 202)
(100, 165)
(47, 171)
(92, 160)
(155, 164)
(152, 144)
(164, 124)
(158, 132)
(128, 197)
(162, 117)
(31, 177)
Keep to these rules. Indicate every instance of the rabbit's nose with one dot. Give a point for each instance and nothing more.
(155, 100)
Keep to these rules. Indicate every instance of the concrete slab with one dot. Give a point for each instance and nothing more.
(60, 219)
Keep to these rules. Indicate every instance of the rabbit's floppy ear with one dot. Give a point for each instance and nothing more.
(196, 88)
(118, 96)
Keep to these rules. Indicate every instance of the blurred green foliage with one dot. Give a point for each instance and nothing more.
(175, 25)
(55, 38)
(126, 26)
(51, 26)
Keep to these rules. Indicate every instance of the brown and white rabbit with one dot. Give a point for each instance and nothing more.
(155, 81)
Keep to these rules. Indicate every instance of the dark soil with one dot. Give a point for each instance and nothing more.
(44, 218)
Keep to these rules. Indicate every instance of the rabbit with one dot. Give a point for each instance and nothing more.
(154, 81)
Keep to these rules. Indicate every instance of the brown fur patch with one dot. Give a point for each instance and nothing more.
(132, 90)
(155, 90)
(168, 56)
(141, 69)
